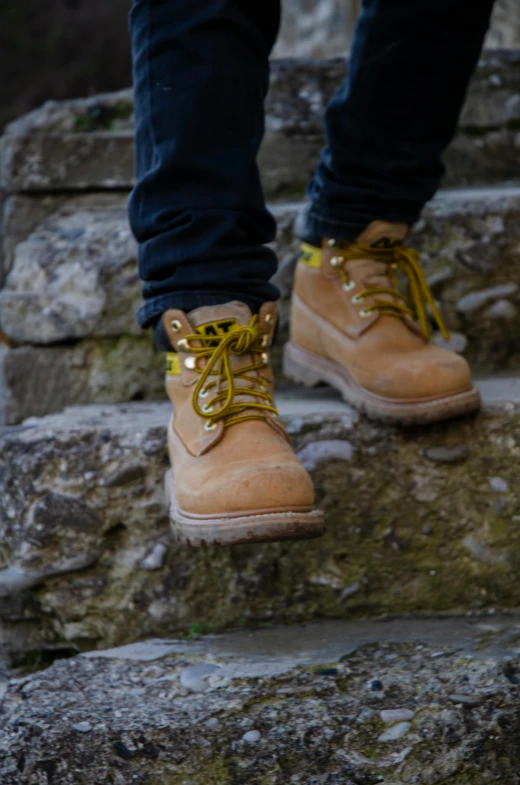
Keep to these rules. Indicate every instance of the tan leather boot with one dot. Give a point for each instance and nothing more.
(234, 477)
(352, 328)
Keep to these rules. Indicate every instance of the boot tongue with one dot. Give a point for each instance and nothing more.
(214, 320)
(378, 234)
(219, 319)
(369, 273)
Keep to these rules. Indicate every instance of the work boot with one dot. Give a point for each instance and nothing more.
(234, 475)
(352, 328)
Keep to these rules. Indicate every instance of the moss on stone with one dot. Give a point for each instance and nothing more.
(116, 369)
(208, 772)
(104, 117)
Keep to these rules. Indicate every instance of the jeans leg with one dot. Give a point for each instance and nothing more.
(201, 73)
(389, 123)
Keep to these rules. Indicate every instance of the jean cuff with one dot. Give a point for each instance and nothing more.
(347, 230)
(152, 310)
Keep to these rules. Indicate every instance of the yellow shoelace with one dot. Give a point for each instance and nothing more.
(398, 257)
(217, 351)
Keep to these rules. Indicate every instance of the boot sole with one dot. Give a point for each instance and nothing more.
(244, 527)
(311, 369)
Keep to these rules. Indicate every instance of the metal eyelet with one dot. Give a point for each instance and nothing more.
(349, 286)
(266, 341)
(210, 426)
(190, 363)
(337, 261)
(203, 393)
(176, 326)
(265, 358)
(357, 299)
(364, 313)
(207, 409)
(331, 242)
(183, 345)
(268, 318)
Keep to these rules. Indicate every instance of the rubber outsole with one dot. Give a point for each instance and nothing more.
(268, 526)
(310, 369)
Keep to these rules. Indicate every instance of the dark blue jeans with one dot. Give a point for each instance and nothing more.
(201, 73)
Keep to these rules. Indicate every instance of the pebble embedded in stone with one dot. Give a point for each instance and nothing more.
(252, 736)
(195, 677)
(126, 475)
(155, 559)
(447, 453)
(82, 727)
(396, 715)
(470, 701)
(395, 732)
(436, 279)
(499, 485)
(122, 751)
(152, 446)
(349, 591)
(375, 685)
(70, 234)
(512, 107)
(473, 301)
(427, 529)
(483, 554)
(503, 311)
(316, 454)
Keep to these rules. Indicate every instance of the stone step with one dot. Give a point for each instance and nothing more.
(418, 521)
(67, 306)
(422, 702)
(37, 380)
(88, 143)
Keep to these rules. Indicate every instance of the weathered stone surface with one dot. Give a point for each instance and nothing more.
(75, 273)
(20, 216)
(323, 28)
(107, 464)
(316, 28)
(285, 705)
(67, 145)
(88, 143)
(505, 25)
(36, 380)
(473, 238)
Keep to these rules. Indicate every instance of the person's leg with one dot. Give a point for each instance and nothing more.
(386, 130)
(389, 124)
(201, 72)
(198, 213)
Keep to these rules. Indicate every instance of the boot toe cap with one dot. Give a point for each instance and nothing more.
(265, 487)
(430, 373)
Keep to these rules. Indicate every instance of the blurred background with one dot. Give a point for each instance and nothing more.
(54, 49)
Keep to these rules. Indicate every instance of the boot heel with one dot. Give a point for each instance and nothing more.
(298, 371)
